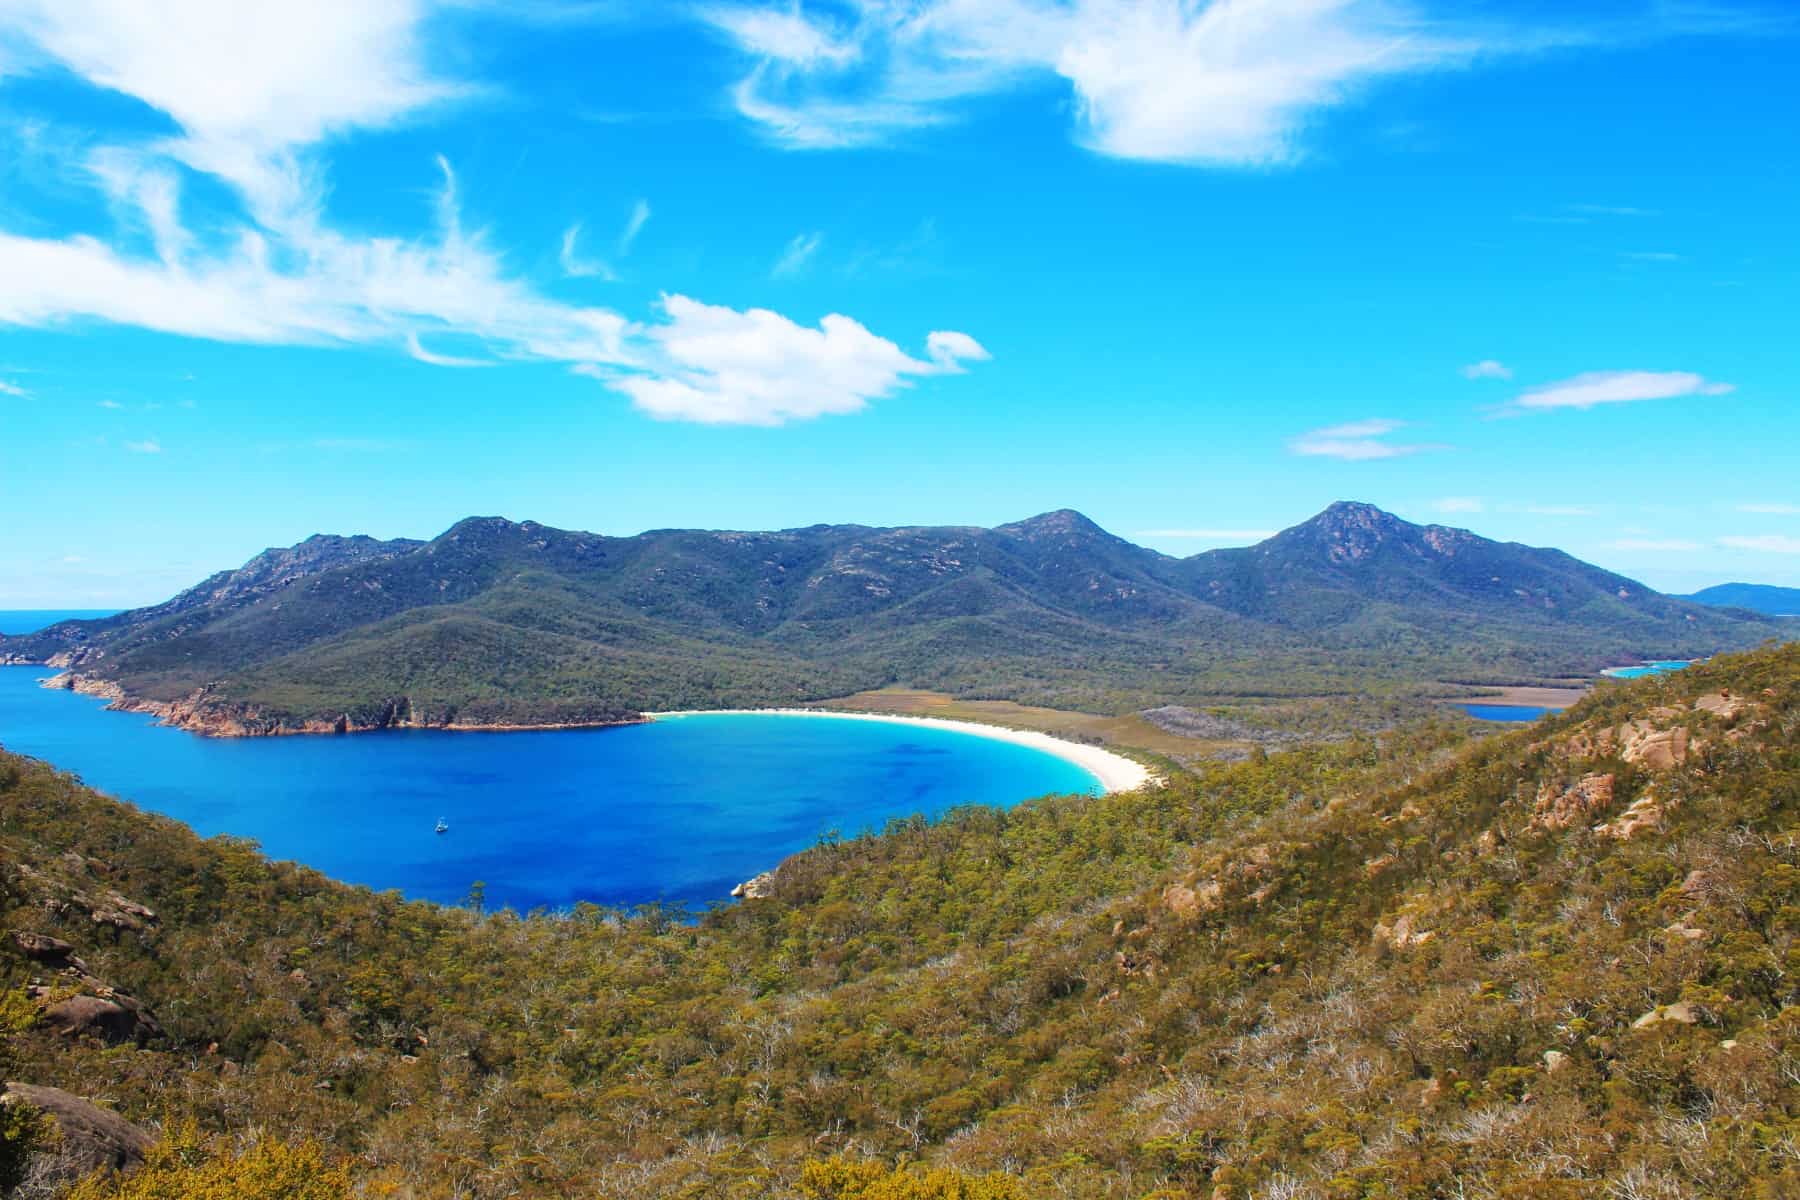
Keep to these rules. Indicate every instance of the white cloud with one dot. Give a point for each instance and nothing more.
(796, 254)
(441, 360)
(1767, 543)
(720, 366)
(576, 267)
(1487, 368)
(1779, 510)
(634, 225)
(1617, 387)
(109, 404)
(256, 91)
(1656, 545)
(12, 389)
(786, 37)
(249, 84)
(147, 446)
(1459, 504)
(949, 350)
(1225, 82)
(1210, 535)
(1358, 441)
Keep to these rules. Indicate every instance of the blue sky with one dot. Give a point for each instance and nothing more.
(1196, 269)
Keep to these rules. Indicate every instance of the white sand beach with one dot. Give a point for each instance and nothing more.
(1115, 772)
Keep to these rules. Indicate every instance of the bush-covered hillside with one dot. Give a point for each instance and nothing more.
(1553, 963)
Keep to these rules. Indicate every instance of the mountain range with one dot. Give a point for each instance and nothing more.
(496, 623)
(1761, 598)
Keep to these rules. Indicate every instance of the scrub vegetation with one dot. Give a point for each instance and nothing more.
(1554, 962)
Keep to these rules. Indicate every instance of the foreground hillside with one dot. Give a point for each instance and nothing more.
(1554, 963)
(495, 623)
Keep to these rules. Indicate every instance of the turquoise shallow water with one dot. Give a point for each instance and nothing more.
(1661, 667)
(676, 810)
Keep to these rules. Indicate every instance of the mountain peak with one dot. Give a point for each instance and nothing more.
(1356, 514)
(1348, 531)
(1058, 523)
(478, 529)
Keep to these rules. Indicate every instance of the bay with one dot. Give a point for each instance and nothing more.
(673, 811)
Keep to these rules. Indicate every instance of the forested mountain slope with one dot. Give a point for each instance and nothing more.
(497, 623)
(1558, 962)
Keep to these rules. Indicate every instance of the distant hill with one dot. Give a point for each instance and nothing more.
(503, 623)
(1757, 597)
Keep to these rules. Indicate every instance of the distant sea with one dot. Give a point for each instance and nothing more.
(30, 620)
(671, 810)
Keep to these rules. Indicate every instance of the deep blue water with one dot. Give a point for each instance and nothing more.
(30, 620)
(1506, 712)
(676, 810)
(1661, 667)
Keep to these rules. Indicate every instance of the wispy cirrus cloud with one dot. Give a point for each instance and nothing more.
(419, 352)
(1225, 83)
(574, 265)
(1779, 510)
(1359, 441)
(147, 446)
(1595, 388)
(1656, 545)
(12, 389)
(1459, 504)
(1766, 543)
(797, 254)
(256, 92)
(1487, 368)
(634, 225)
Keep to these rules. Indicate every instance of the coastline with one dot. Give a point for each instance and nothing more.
(1114, 772)
(192, 715)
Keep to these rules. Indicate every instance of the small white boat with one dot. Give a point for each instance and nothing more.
(443, 826)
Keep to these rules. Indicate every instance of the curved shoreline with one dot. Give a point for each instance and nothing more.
(1114, 772)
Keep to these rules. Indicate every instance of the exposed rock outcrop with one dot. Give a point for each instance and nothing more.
(1657, 749)
(759, 888)
(110, 1015)
(88, 1138)
(41, 947)
(1681, 1013)
(1401, 934)
(1646, 812)
(1559, 808)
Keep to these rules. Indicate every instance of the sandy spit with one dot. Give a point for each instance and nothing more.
(1115, 772)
